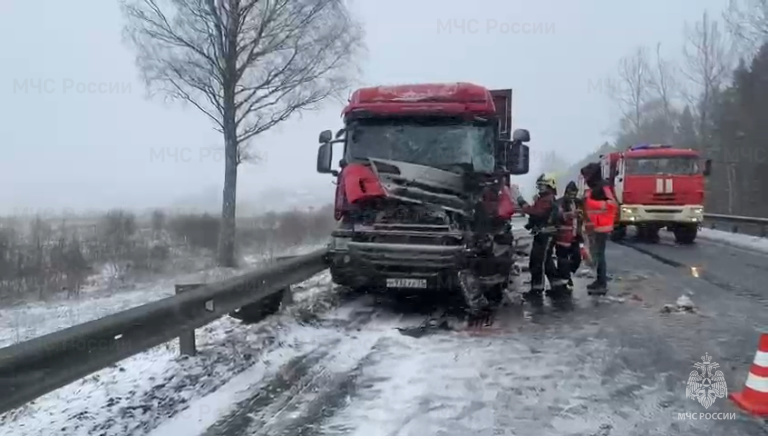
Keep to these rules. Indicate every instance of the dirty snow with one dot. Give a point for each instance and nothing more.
(34, 319)
(748, 242)
(137, 394)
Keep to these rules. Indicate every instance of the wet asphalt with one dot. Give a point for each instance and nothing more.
(616, 365)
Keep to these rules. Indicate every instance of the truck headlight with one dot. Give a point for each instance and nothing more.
(628, 210)
(340, 243)
(698, 211)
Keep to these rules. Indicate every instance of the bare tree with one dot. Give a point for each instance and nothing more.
(707, 65)
(747, 23)
(246, 64)
(664, 83)
(632, 89)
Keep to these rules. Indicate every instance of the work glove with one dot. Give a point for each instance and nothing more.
(521, 201)
(585, 255)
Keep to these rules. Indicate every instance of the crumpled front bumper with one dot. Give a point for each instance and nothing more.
(398, 260)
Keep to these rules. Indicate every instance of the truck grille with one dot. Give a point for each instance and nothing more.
(665, 198)
(410, 234)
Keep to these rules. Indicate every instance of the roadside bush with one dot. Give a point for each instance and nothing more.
(39, 256)
(200, 231)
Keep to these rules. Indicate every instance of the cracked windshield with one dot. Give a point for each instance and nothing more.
(569, 237)
(448, 147)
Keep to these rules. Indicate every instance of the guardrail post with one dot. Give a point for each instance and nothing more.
(187, 338)
(287, 298)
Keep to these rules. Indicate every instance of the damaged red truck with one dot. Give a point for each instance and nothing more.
(422, 197)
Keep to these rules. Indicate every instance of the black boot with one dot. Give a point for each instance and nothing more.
(533, 295)
(559, 291)
(597, 288)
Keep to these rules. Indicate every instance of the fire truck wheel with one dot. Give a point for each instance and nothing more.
(619, 233)
(685, 234)
(648, 234)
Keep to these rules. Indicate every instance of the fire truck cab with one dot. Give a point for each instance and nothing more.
(658, 186)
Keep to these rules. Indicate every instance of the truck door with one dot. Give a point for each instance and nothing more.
(502, 100)
(618, 185)
(605, 164)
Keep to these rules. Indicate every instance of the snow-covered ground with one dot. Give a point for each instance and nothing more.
(139, 393)
(29, 320)
(748, 242)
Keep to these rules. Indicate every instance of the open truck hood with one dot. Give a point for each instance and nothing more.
(421, 184)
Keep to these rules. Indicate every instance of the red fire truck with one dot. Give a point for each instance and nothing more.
(658, 186)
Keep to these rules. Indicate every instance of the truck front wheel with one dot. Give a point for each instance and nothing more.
(686, 234)
(619, 233)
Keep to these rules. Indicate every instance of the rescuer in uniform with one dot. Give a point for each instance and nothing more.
(600, 206)
(573, 211)
(541, 219)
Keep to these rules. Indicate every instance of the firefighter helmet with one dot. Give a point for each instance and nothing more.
(547, 179)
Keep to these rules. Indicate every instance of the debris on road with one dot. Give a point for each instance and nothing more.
(684, 304)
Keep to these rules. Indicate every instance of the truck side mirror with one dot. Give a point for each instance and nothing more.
(520, 135)
(518, 158)
(707, 167)
(325, 136)
(324, 158)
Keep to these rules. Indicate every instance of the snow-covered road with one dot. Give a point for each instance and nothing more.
(372, 366)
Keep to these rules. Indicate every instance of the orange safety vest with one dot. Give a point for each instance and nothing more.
(601, 213)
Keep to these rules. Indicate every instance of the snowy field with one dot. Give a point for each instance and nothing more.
(33, 319)
(140, 392)
(159, 393)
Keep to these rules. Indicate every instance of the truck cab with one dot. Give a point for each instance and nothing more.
(658, 186)
(422, 196)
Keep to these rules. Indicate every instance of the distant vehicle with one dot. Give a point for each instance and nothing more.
(423, 198)
(658, 186)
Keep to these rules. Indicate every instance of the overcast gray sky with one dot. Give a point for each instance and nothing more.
(78, 132)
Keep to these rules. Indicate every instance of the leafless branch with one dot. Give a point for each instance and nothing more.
(631, 91)
(707, 65)
(287, 56)
(747, 23)
(246, 64)
(664, 83)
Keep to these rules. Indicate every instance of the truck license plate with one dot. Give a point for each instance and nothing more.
(406, 283)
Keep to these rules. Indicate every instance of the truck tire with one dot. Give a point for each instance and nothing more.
(652, 235)
(256, 312)
(619, 233)
(648, 234)
(686, 234)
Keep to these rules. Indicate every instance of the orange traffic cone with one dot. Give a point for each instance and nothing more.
(754, 397)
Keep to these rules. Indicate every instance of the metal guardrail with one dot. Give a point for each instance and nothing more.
(747, 225)
(33, 368)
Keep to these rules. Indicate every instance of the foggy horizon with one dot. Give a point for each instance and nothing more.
(79, 133)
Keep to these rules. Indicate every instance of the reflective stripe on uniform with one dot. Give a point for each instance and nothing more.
(559, 282)
(603, 229)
